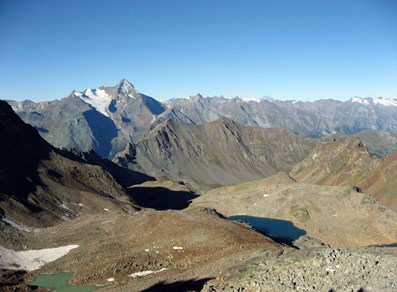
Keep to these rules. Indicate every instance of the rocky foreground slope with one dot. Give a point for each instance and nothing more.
(177, 246)
(319, 269)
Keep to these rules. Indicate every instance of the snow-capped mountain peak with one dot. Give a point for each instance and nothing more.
(125, 87)
(257, 99)
(375, 101)
(360, 100)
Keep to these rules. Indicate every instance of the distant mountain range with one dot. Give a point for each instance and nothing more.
(314, 119)
(107, 119)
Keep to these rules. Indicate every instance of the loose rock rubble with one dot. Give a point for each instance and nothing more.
(319, 269)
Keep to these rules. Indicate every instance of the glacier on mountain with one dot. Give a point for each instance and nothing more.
(97, 98)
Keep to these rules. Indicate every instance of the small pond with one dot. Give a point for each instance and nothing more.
(60, 283)
(280, 230)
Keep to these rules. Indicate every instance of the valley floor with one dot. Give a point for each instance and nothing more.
(199, 249)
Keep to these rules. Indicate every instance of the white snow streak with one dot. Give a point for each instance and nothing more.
(145, 273)
(16, 225)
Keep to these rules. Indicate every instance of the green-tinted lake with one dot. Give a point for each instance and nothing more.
(60, 283)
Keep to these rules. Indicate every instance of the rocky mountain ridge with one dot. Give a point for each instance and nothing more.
(214, 154)
(107, 119)
(347, 161)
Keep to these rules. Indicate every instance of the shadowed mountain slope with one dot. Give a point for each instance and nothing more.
(218, 153)
(40, 187)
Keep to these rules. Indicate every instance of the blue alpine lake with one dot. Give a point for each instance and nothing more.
(280, 230)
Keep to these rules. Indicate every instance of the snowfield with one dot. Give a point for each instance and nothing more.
(30, 260)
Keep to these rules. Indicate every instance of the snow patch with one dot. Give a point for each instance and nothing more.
(110, 280)
(30, 260)
(145, 273)
(254, 99)
(106, 209)
(98, 99)
(385, 102)
(177, 247)
(360, 100)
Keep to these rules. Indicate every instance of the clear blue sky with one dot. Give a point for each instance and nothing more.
(295, 49)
